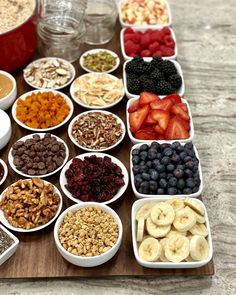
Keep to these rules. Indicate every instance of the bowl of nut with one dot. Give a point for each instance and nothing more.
(94, 177)
(39, 154)
(96, 131)
(88, 234)
(29, 205)
(49, 72)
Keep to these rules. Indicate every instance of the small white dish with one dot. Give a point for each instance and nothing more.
(5, 171)
(8, 100)
(135, 140)
(179, 70)
(138, 204)
(64, 61)
(97, 50)
(5, 222)
(12, 249)
(23, 97)
(63, 180)
(94, 260)
(124, 24)
(5, 130)
(94, 107)
(135, 29)
(139, 195)
(77, 118)
(11, 158)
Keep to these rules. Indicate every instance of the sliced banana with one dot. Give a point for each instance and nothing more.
(189, 236)
(189, 259)
(174, 232)
(162, 256)
(140, 229)
(156, 231)
(194, 205)
(199, 248)
(177, 204)
(199, 229)
(184, 220)
(177, 248)
(150, 249)
(162, 214)
(144, 211)
(200, 218)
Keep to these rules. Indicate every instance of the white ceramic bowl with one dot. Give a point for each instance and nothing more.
(5, 222)
(126, 57)
(135, 140)
(70, 66)
(123, 24)
(93, 51)
(118, 119)
(5, 130)
(121, 191)
(8, 100)
(94, 107)
(138, 204)
(179, 70)
(88, 261)
(5, 171)
(139, 195)
(12, 249)
(11, 159)
(23, 97)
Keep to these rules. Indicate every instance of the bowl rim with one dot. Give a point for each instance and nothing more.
(91, 51)
(5, 171)
(136, 205)
(23, 97)
(14, 87)
(135, 140)
(23, 230)
(10, 157)
(71, 68)
(62, 178)
(76, 100)
(13, 237)
(146, 196)
(118, 119)
(75, 208)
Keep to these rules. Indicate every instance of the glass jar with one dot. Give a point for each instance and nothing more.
(100, 19)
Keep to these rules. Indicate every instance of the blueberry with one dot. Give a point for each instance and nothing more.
(143, 155)
(172, 191)
(180, 149)
(169, 175)
(187, 191)
(144, 185)
(189, 165)
(189, 146)
(175, 145)
(142, 163)
(170, 168)
(175, 159)
(135, 169)
(181, 167)
(143, 190)
(160, 168)
(195, 160)
(197, 180)
(159, 156)
(188, 173)
(182, 155)
(135, 160)
(168, 152)
(155, 163)
(172, 182)
(146, 176)
(195, 168)
(135, 152)
(190, 182)
(143, 168)
(186, 159)
(181, 183)
(165, 145)
(190, 153)
(195, 189)
(144, 147)
(153, 174)
(155, 145)
(137, 180)
(162, 183)
(163, 175)
(165, 160)
(149, 164)
(160, 191)
(152, 186)
(178, 173)
(152, 154)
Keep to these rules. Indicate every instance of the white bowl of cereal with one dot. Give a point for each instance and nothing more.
(97, 218)
(96, 131)
(38, 204)
(97, 90)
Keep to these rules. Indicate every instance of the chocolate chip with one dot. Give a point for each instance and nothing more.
(41, 165)
(31, 172)
(55, 148)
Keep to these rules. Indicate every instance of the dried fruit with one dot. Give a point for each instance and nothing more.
(101, 61)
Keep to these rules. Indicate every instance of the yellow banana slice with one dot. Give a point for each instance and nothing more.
(177, 248)
(200, 218)
(162, 214)
(150, 249)
(156, 231)
(199, 248)
(140, 229)
(194, 205)
(144, 211)
(177, 204)
(184, 220)
(174, 232)
(189, 259)
(162, 256)
(199, 229)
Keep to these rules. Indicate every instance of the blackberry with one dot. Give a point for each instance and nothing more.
(156, 76)
(129, 68)
(134, 86)
(132, 76)
(148, 86)
(147, 67)
(168, 68)
(164, 88)
(143, 78)
(156, 61)
(175, 81)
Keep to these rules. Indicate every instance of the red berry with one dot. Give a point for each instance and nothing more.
(136, 37)
(166, 51)
(128, 31)
(146, 53)
(130, 47)
(166, 31)
(157, 53)
(128, 37)
(148, 31)
(145, 41)
(169, 42)
(157, 36)
(154, 47)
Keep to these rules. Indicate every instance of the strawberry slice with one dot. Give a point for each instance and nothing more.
(147, 133)
(176, 130)
(183, 106)
(185, 123)
(137, 118)
(162, 104)
(134, 106)
(177, 110)
(161, 136)
(147, 97)
(158, 129)
(149, 120)
(162, 117)
(174, 97)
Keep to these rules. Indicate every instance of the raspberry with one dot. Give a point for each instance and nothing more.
(157, 36)
(145, 41)
(136, 37)
(128, 37)
(145, 53)
(128, 31)
(154, 47)
(130, 47)
(169, 42)
(166, 51)
(157, 53)
(166, 31)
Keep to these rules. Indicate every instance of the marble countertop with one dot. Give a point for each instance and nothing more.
(205, 32)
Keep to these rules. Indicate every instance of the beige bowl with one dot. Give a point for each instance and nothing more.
(8, 100)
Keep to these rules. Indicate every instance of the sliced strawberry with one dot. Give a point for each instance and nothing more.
(158, 129)
(149, 120)
(147, 133)
(183, 106)
(134, 106)
(174, 97)
(161, 136)
(185, 123)
(137, 118)
(176, 130)
(162, 117)
(147, 97)
(162, 104)
(177, 110)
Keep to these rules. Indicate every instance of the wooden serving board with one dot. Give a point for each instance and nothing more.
(37, 256)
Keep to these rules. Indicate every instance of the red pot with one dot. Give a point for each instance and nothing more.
(18, 45)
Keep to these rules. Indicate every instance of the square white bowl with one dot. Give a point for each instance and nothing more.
(12, 249)
(179, 70)
(125, 25)
(135, 29)
(138, 204)
(135, 140)
(159, 197)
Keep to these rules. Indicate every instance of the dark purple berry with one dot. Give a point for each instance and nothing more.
(178, 173)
